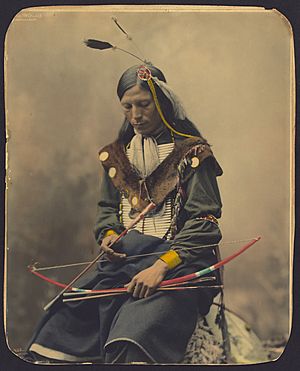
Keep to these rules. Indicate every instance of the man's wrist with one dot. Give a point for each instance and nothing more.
(161, 265)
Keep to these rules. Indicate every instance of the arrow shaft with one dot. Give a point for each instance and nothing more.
(69, 286)
(174, 281)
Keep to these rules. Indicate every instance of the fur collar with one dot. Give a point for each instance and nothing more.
(161, 181)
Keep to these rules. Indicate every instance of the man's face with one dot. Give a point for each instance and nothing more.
(140, 110)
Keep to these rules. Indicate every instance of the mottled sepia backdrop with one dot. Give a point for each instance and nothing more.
(232, 70)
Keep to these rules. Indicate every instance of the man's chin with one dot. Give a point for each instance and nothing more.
(142, 132)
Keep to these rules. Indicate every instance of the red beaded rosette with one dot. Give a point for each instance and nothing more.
(144, 73)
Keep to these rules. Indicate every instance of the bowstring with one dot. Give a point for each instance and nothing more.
(141, 255)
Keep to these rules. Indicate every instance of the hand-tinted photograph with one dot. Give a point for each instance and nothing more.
(150, 184)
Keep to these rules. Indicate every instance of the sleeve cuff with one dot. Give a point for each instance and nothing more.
(171, 258)
(109, 232)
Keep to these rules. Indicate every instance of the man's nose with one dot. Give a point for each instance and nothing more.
(136, 113)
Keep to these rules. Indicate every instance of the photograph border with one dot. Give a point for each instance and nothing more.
(290, 359)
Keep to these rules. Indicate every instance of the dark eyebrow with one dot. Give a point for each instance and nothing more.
(138, 101)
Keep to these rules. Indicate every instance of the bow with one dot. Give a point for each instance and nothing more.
(174, 281)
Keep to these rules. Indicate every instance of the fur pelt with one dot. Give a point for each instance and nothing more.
(163, 180)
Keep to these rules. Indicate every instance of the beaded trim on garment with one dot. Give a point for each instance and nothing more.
(157, 225)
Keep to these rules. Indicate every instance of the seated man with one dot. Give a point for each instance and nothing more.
(159, 157)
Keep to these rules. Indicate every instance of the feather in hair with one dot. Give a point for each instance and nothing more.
(98, 44)
(102, 45)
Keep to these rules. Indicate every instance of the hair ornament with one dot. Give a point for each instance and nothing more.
(102, 45)
(144, 74)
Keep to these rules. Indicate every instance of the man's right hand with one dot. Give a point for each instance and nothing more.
(110, 253)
